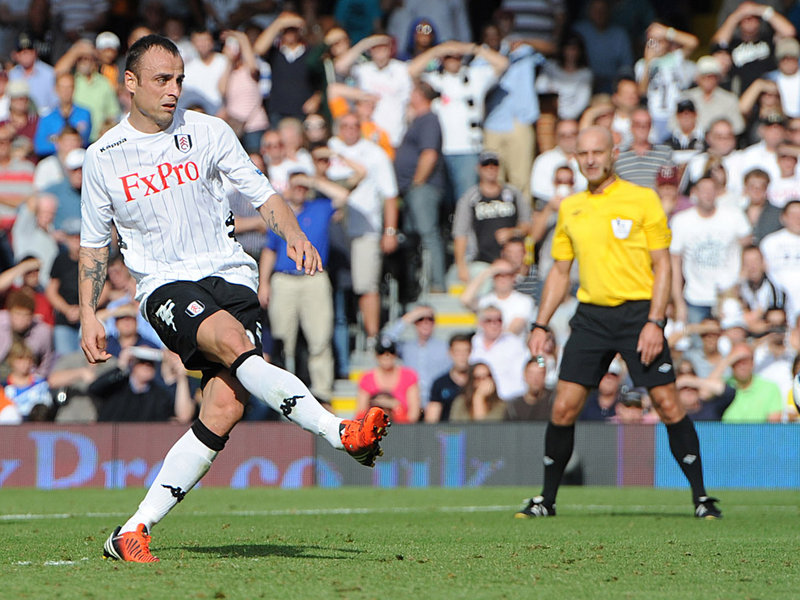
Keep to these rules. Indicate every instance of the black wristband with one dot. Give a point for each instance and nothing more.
(544, 328)
(662, 323)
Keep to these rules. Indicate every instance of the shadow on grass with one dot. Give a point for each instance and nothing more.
(286, 551)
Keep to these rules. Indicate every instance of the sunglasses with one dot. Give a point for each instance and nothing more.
(490, 163)
(424, 28)
(426, 318)
(492, 320)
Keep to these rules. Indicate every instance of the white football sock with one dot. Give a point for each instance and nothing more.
(286, 394)
(184, 465)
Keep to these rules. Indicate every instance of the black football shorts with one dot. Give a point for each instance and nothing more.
(599, 332)
(175, 310)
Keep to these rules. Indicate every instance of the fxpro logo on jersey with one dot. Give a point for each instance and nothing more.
(166, 175)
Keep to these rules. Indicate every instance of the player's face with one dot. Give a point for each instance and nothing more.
(595, 156)
(156, 91)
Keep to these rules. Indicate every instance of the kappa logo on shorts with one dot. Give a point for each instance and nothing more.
(664, 368)
(183, 142)
(164, 313)
(195, 308)
(621, 228)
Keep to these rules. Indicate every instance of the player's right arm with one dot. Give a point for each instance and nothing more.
(92, 264)
(96, 213)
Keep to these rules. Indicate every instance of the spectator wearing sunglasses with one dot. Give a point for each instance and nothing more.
(425, 353)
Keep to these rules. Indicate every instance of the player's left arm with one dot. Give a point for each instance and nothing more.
(282, 220)
(651, 338)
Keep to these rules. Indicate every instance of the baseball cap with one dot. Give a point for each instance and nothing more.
(106, 39)
(18, 88)
(144, 353)
(488, 157)
(667, 175)
(385, 345)
(685, 105)
(71, 226)
(787, 47)
(24, 42)
(74, 160)
(708, 65)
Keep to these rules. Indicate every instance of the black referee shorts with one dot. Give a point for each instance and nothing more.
(598, 333)
(175, 310)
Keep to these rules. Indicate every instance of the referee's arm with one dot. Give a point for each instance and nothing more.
(651, 339)
(555, 290)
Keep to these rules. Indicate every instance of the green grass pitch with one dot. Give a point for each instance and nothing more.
(359, 543)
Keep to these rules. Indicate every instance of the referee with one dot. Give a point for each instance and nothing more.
(618, 233)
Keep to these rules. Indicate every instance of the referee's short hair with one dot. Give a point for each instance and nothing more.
(142, 45)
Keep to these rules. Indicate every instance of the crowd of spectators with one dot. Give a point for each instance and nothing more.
(439, 137)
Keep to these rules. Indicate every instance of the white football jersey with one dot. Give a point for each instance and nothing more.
(164, 192)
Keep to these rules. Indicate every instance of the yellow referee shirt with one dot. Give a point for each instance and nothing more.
(611, 235)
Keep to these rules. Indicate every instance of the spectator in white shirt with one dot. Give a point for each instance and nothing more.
(505, 353)
(706, 252)
(787, 52)
(204, 75)
(462, 84)
(385, 77)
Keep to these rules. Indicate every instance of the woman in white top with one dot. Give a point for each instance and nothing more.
(569, 77)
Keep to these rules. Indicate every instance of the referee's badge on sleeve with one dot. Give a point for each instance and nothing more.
(621, 228)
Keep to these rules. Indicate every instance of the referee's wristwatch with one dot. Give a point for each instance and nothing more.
(662, 323)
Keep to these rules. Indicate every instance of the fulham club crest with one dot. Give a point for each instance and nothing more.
(183, 142)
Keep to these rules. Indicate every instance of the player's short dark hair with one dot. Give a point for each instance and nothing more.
(142, 45)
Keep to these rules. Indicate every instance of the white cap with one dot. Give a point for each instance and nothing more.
(105, 40)
(18, 88)
(74, 160)
(708, 65)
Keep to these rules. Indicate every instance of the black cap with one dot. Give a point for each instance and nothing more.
(385, 345)
(24, 42)
(685, 105)
(487, 157)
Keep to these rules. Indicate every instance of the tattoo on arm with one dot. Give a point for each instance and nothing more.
(93, 263)
(272, 221)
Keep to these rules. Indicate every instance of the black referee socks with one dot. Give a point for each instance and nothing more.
(685, 448)
(559, 441)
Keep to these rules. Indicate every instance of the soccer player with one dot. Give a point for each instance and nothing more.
(158, 176)
(618, 232)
